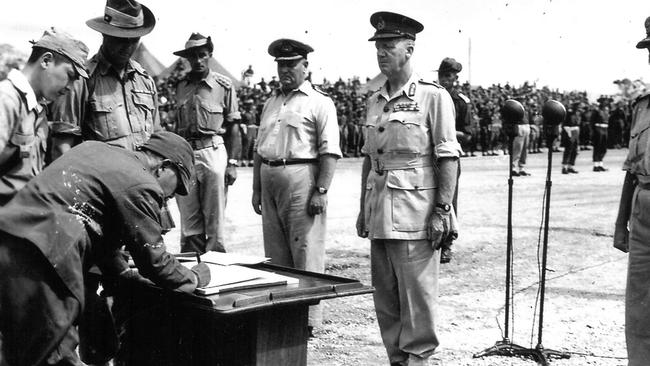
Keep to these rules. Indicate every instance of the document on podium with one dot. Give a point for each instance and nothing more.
(233, 277)
(231, 258)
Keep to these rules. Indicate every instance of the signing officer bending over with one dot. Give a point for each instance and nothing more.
(408, 182)
(296, 154)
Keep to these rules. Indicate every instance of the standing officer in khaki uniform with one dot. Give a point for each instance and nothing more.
(57, 60)
(206, 103)
(295, 157)
(408, 182)
(633, 214)
(118, 104)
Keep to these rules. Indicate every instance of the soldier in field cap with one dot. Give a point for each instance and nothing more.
(206, 104)
(448, 77)
(632, 216)
(56, 61)
(295, 156)
(408, 182)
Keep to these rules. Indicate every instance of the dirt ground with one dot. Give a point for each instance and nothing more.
(583, 313)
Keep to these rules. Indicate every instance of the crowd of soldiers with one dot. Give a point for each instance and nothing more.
(485, 134)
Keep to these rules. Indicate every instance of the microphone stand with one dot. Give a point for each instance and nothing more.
(505, 347)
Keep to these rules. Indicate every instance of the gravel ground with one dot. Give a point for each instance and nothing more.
(583, 314)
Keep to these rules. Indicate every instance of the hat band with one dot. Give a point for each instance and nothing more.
(122, 20)
(195, 43)
(396, 32)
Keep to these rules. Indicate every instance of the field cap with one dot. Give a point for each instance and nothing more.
(289, 49)
(393, 25)
(63, 43)
(124, 19)
(449, 64)
(173, 147)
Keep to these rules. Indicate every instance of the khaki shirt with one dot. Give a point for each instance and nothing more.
(121, 111)
(299, 125)
(638, 156)
(203, 105)
(404, 136)
(23, 135)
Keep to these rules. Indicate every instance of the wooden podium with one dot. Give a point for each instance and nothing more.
(259, 326)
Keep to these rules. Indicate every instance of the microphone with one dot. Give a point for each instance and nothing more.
(512, 113)
(553, 113)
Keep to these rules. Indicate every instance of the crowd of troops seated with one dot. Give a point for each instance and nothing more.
(485, 135)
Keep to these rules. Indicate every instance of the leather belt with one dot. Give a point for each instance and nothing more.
(205, 142)
(280, 162)
(602, 125)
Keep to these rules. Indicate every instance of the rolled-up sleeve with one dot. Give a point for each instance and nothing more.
(443, 126)
(328, 129)
(139, 209)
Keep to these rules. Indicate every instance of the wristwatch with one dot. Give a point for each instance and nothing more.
(232, 162)
(321, 190)
(444, 206)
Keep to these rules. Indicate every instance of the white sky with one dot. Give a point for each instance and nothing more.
(565, 44)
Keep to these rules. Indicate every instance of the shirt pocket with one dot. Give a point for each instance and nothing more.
(296, 126)
(209, 115)
(638, 145)
(407, 132)
(144, 103)
(108, 120)
(412, 195)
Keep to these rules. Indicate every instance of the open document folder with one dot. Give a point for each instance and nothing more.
(233, 277)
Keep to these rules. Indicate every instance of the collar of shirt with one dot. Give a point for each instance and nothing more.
(20, 82)
(210, 80)
(305, 88)
(383, 92)
(105, 66)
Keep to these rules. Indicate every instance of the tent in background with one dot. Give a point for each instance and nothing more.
(148, 60)
(184, 66)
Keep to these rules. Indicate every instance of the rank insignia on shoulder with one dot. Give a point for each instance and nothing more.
(463, 97)
(319, 90)
(224, 80)
(422, 81)
(406, 107)
(411, 92)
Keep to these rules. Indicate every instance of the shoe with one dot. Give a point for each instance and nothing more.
(600, 169)
(596, 168)
(446, 255)
(523, 173)
(565, 171)
(514, 173)
(572, 171)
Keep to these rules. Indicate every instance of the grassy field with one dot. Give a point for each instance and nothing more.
(585, 279)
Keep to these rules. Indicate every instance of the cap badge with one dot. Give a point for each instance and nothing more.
(381, 24)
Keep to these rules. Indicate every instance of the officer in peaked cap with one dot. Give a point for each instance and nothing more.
(405, 212)
(393, 25)
(203, 210)
(295, 157)
(632, 216)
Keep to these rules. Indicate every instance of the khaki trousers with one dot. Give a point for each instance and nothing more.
(405, 277)
(292, 237)
(637, 293)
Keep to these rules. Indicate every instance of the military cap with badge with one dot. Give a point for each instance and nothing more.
(392, 25)
(124, 19)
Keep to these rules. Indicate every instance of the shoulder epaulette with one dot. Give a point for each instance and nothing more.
(138, 68)
(223, 80)
(464, 97)
(319, 90)
(426, 82)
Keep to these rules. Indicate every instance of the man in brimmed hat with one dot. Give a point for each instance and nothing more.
(447, 77)
(118, 103)
(408, 182)
(633, 215)
(77, 213)
(206, 103)
(57, 60)
(295, 157)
